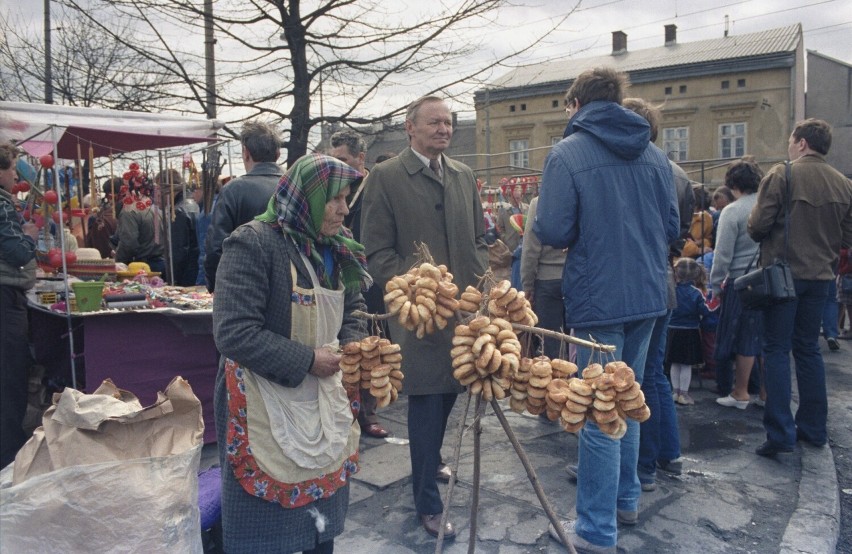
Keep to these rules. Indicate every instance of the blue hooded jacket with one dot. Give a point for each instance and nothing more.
(608, 195)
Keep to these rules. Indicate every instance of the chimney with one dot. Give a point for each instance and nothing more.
(671, 34)
(619, 42)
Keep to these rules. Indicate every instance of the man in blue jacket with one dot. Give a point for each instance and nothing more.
(607, 195)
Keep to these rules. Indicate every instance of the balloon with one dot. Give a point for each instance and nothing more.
(46, 161)
(70, 258)
(54, 257)
(51, 197)
(23, 186)
(38, 219)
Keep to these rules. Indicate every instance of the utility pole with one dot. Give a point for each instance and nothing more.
(48, 67)
(209, 58)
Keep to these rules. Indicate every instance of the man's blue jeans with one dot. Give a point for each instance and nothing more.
(830, 311)
(607, 468)
(659, 438)
(795, 326)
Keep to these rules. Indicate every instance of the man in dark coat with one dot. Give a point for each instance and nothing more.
(422, 196)
(242, 199)
(349, 147)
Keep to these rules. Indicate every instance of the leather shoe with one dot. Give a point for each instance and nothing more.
(432, 524)
(375, 430)
(444, 473)
(769, 449)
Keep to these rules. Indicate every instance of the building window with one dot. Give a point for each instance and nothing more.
(519, 153)
(740, 83)
(554, 104)
(512, 108)
(676, 143)
(726, 85)
(732, 140)
(523, 107)
(683, 89)
(668, 91)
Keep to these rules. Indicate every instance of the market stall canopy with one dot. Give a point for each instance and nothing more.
(106, 131)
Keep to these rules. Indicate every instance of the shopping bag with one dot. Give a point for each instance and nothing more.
(104, 474)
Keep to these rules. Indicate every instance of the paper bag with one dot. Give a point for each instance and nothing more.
(105, 474)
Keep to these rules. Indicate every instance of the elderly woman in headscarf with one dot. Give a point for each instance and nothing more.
(286, 288)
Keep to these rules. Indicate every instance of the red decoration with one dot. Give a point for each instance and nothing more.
(51, 197)
(46, 161)
(15, 189)
(140, 205)
(70, 258)
(38, 220)
(54, 257)
(65, 217)
(23, 186)
(26, 215)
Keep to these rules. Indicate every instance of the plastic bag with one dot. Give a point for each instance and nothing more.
(64, 498)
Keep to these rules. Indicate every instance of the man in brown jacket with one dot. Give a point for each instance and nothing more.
(422, 196)
(820, 222)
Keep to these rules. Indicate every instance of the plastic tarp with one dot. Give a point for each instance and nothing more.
(106, 131)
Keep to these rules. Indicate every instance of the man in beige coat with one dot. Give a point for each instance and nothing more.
(422, 196)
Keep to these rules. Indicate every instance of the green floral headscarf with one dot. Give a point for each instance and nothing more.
(298, 210)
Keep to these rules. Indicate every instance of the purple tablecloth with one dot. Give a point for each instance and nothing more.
(140, 351)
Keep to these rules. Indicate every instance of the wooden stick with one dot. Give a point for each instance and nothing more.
(115, 194)
(517, 326)
(439, 544)
(564, 338)
(93, 187)
(477, 462)
(542, 498)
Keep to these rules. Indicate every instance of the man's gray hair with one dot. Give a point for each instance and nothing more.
(414, 107)
(353, 141)
(261, 140)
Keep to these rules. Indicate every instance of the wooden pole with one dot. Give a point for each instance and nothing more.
(477, 463)
(518, 327)
(539, 492)
(115, 193)
(93, 187)
(79, 192)
(439, 543)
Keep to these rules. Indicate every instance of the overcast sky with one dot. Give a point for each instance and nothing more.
(827, 26)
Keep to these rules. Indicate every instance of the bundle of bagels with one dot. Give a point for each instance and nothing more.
(606, 395)
(542, 372)
(374, 363)
(424, 298)
(503, 301)
(486, 353)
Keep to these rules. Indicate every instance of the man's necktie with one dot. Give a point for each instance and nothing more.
(436, 167)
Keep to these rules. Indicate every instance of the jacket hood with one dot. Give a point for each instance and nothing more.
(622, 131)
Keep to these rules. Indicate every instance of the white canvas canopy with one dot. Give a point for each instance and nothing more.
(106, 131)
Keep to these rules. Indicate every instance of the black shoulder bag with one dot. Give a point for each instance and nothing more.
(767, 286)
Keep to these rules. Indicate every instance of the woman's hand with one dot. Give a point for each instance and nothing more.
(326, 362)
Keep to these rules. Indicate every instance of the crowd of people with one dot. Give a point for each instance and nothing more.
(292, 254)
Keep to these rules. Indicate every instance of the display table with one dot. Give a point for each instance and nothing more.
(141, 351)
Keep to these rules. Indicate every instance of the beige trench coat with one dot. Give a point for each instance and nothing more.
(405, 203)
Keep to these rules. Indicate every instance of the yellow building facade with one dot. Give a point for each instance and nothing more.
(720, 99)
